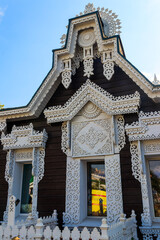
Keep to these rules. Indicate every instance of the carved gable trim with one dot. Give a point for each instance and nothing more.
(101, 98)
(50, 84)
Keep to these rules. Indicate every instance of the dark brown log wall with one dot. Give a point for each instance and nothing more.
(51, 193)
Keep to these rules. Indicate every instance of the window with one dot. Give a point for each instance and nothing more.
(96, 191)
(154, 168)
(27, 189)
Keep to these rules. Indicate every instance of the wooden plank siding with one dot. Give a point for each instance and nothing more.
(51, 189)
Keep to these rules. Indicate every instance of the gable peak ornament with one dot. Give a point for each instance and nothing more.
(112, 24)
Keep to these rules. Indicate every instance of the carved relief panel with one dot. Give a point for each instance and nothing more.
(91, 138)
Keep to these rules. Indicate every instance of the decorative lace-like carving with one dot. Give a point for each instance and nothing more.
(66, 78)
(120, 131)
(146, 215)
(24, 137)
(108, 69)
(138, 174)
(72, 213)
(65, 140)
(3, 125)
(136, 161)
(150, 233)
(90, 111)
(145, 128)
(151, 146)
(113, 188)
(89, 91)
(112, 24)
(88, 67)
(91, 138)
(23, 155)
(41, 164)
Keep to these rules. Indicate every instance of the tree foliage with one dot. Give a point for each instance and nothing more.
(1, 106)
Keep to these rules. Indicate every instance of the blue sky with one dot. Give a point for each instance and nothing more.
(30, 29)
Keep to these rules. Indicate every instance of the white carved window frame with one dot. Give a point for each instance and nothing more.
(23, 145)
(149, 157)
(76, 195)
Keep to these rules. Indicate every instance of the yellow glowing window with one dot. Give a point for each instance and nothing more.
(97, 204)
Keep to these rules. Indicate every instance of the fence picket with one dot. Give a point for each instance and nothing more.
(66, 234)
(7, 233)
(31, 233)
(14, 232)
(56, 233)
(23, 233)
(75, 235)
(85, 234)
(47, 233)
(95, 235)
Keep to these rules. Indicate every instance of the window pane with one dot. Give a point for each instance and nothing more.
(27, 189)
(155, 182)
(97, 205)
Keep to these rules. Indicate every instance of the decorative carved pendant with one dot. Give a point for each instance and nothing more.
(66, 74)
(108, 69)
(88, 67)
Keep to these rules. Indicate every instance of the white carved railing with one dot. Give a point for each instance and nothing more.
(125, 229)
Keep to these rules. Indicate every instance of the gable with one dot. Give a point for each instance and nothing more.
(104, 44)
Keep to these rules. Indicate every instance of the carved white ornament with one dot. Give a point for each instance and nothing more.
(90, 111)
(24, 137)
(112, 24)
(150, 233)
(50, 84)
(151, 146)
(108, 69)
(91, 138)
(66, 73)
(72, 209)
(146, 215)
(136, 161)
(91, 92)
(3, 125)
(113, 188)
(88, 67)
(65, 139)
(141, 177)
(30, 145)
(145, 128)
(86, 38)
(120, 132)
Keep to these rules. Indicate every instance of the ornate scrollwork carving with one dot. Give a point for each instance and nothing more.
(113, 188)
(91, 138)
(120, 132)
(136, 161)
(72, 211)
(108, 69)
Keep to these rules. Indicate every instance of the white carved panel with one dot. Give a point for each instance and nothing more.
(113, 188)
(72, 211)
(91, 138)
(151, 147)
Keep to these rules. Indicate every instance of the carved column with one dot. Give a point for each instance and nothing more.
(113, 187)
(137, 171)
(72, 213)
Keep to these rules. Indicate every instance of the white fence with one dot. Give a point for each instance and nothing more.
(125, 229)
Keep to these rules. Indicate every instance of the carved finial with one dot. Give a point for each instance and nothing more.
(89, 8)
(156, 81)
(63, 39)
